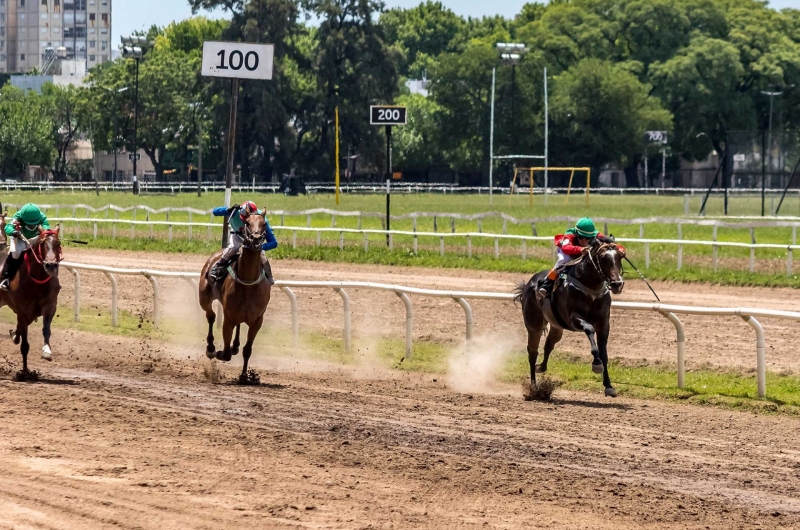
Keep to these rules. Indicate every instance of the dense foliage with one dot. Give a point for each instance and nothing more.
(615, 68)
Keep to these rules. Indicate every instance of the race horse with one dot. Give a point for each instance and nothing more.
(244, 294)
(33, 292)
(580, 301)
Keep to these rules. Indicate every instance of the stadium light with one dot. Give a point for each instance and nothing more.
(134, 47)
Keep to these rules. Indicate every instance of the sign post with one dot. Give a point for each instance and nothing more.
(235, 60)
(655, 137)
(388, 116)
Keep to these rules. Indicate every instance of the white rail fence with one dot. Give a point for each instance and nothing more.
(443, 236)
(668, 311)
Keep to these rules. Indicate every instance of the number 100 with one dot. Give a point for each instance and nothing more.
(236, 60)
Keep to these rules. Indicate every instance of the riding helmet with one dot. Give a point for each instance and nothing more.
(31, 215)
(585, 228)
(247, 208)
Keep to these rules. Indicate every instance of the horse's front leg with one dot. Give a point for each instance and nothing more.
(49, 313)
(597, 363)
(235, 346)
(252, 331)
(227, 335)
(602, 343)
(24, 348)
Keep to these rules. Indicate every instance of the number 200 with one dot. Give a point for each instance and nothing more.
(236, 60)
(388, 114)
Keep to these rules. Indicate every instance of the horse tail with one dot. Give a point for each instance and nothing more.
(520, 291)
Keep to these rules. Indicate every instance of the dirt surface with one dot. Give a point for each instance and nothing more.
(129, 433)
(719, 341)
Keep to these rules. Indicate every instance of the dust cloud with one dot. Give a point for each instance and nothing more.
(476, 367)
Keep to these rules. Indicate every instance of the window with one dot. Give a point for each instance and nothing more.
(44, 2)
(104, 3)
(2, 17)
(44, 15)
(104, 58)
(44, 29)
(22, 16)
(22, 57)
(2, 31)
(22, 43)
(104, 32)
(103, 44)
(92, 31)
(44, 44)
(91, 16)
(21, 3)
(3, 57)
(104, 16)
(91, 57)
(92, 43)
(2, 45)
(2, 3)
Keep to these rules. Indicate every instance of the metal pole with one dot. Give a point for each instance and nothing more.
(513, 108)
(116, 135)
(135, 116)
(546, 139)
(769, 138)
(663, 165)
(645, 166)
(199, 156)
(231, 144)
(763, 171)
(491, 137)
(388, 180)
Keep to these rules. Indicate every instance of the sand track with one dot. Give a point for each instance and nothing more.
(127, 432)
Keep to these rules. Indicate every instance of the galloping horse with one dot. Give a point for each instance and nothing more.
(244, 294)
(34, 291)
(580, 303)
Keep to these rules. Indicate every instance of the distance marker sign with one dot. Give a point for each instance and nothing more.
(239, 60)
(387, 115)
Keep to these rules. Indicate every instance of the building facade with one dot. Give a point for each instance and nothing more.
(32, 30)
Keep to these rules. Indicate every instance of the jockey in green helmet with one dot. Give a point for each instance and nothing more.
(28, 222)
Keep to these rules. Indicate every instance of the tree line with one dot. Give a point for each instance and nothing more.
(616, 68)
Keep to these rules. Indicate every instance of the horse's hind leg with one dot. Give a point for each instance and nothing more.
(235, 345)
(553, 336)
(602, 343)
(252, 331)
(22, 334)
(534, 337)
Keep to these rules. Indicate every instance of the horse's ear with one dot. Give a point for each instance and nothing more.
(58, 229)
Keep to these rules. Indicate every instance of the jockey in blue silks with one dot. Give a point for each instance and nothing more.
(237, 216)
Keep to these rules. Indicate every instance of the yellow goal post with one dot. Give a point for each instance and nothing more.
(572, 170)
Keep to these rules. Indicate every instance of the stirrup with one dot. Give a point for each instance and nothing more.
(5, 284)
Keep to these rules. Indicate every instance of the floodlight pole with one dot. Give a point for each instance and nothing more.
(491, 138)
(546, 136)
(135, 116)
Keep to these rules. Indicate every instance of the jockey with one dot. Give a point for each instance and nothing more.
(573, 243)
(237, 216)
(29, 222)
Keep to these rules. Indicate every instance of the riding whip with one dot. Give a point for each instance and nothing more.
(643, 278)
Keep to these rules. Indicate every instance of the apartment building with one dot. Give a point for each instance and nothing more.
(28, 28)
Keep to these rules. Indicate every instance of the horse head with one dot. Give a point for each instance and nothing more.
(607, 259)
(48, 250)
(255, 231)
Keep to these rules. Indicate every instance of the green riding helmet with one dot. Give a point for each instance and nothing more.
(31, 215)
(585, 228)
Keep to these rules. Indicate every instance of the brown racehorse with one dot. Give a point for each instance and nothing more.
(34, 291)
(244, 295)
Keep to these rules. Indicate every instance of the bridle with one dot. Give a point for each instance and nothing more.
(39, 241)
(593, 254)
(252, 241)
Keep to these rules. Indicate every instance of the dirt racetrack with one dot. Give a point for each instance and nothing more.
(129, 432)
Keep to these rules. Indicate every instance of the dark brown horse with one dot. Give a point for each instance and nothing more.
(244, 295)
(34, 291)
(581, 302)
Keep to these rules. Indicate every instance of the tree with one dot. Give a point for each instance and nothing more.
(422, 33)
(600, 114)
(68, 120)
(25, 131)
(416, 144)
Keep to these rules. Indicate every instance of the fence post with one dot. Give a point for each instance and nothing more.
(95, 230)
(366, 243)
(282, 219)
(641, 231)
(210, 222)
(435, 224)
(114, 298)
(453, 225)
(761, 360)
(686, 205)
(789, 254)
(415, 243)
(480, 226)
(647, 255)
(76, 306)
(505, 226)
(308, 220)
(409, 322)
(496, 248)
(680, 246)
(190, 226)
(391, 241)
(752, 249)
(524, 249)
(467, 315)
(293, 303)
(319, 238)
(534, 231)
(681, 339)
(341, 240)
(441, 245)
(469, 247)
(169, 234)
(714, 249)
(294, 238)
(346, 311)
(333, 220)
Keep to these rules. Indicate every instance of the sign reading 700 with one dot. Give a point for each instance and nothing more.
(655, 137)
(237, 60)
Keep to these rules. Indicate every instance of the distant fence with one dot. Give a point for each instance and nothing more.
(667, 311)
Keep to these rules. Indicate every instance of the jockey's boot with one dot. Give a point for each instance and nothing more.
(216, 271)
(10, 268)
(547, 285)
(267, 270)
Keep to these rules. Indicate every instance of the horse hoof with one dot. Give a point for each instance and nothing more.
(222, 357)
(211, 354)
(597, 368)
(610, 392)
(47, 355)
(540, 369)
(210, 348)
(234, 351)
